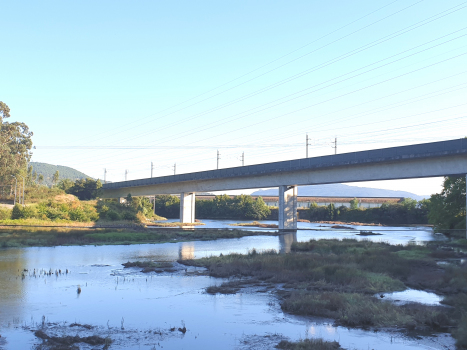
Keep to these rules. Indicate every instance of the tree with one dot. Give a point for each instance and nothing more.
(40, 178)
(260, 209)
(354, 204)
(84, 189)
(447, 209)
(15, 146)
(55, 177)
(65, 184)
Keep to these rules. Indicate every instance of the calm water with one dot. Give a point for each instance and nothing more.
(144, 303)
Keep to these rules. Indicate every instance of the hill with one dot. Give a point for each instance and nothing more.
(340, 190)
(48, 170)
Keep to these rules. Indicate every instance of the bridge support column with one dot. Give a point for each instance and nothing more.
(287, 207)
(187, 207)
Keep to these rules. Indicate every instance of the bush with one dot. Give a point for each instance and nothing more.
(78, 215)
(17, 212)
(113, 215)
(29, 212)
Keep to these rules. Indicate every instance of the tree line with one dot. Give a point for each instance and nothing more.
(221, 207)
(408, 212)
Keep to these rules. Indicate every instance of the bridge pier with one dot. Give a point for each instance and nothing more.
(187, 207)
(288, 207)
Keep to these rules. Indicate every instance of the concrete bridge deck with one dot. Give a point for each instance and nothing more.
(446, 158)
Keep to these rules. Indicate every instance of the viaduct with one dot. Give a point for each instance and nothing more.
(446, 158)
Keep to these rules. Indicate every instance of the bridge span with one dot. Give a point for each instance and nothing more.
(445, 158)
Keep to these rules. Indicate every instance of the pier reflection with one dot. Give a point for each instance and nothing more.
(286, 241)
(186, 251)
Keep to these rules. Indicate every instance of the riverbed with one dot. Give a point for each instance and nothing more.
(144, 311)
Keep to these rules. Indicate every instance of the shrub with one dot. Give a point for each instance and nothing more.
(17, 212)
(78, 215)
(113, 215)
(29, 212)
(129, 216)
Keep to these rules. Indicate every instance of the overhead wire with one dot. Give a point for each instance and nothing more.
(442, 14)
(254, 124)
(419, 46)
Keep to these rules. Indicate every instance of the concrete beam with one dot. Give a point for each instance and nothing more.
(187, 207)
(288, 207)
(407, 168)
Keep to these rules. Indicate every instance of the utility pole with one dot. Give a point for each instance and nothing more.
(307, 145)
(126, 174)
(218, 159)
(105, 175)
(175, 168)
(243, 158)
(335, 145)
(152, 168)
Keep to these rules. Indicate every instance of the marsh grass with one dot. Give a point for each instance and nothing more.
(337, 279)
(361, 310)
(133, 234)
(309, 344)
(350, 270)
(151, 264)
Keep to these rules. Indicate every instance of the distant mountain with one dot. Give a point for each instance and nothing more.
(340, 190)
(64, 172)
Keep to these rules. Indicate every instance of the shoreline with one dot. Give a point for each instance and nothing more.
(59, 236)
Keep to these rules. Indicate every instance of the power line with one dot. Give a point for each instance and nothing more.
(428, 20)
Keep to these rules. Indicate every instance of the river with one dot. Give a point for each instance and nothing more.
(137, 310)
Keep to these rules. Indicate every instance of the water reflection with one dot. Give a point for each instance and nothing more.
(186, 251)
(286, 241)
(152, 301)
(12, 284)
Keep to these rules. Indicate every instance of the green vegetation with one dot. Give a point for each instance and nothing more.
(360, 310)
(52, 206)
(130, 234)
(309, 344)
(447, 209)
(222, 207)
(339, 279)
(47, 172)
(84, 189)
(63, 209)
(405, 213)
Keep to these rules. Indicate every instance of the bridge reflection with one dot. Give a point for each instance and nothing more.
(285, 242)
(186, 250)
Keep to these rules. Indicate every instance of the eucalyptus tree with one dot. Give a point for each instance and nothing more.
(15, 146)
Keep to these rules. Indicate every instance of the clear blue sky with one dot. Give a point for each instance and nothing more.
(185, 78)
